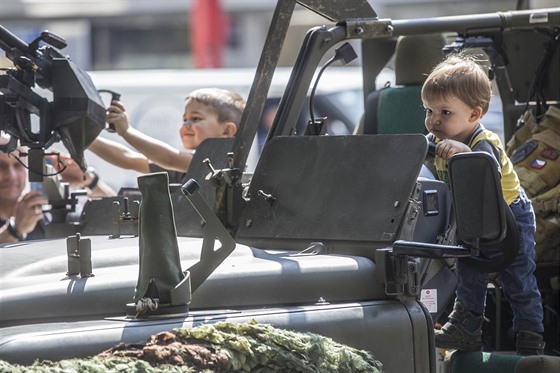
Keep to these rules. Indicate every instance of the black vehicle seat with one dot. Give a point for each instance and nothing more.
(399, 109)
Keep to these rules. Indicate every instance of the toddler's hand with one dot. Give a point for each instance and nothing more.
(448, 148)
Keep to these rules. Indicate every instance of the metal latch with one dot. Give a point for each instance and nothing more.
(128, 217)
(79, 256)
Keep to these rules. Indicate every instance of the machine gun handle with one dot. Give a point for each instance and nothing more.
(431, 149)
(114, 97)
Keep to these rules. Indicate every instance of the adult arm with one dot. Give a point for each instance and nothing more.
(27, 214)
(5, 235)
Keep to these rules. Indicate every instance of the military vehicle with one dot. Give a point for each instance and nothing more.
(338, 235)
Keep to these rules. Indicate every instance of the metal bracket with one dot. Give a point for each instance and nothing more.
(79, 256)
(227, 182)
(128, 217)
(398, 273)
(413, 210)
(363, 28)
(210, 258)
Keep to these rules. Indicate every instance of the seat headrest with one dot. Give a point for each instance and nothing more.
(415, 56)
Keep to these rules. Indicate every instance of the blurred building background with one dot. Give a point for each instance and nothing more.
(142, 34)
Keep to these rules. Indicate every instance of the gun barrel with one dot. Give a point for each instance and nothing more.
(9, 41)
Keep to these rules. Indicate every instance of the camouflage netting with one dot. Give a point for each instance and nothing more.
(220, 347)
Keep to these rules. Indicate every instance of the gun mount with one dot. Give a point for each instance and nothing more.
(76, 114)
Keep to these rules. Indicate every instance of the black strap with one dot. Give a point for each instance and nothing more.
(536, 91)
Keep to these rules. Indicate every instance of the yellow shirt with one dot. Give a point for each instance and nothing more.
(509, 181)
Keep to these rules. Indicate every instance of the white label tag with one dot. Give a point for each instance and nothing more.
(429, 298)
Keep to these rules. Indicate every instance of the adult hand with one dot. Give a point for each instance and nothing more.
(72, 173)
(118, 117)
(77, 179)
(29, 211)
(448, 148)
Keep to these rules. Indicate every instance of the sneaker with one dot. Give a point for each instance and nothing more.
(462, 332)
(529, 343)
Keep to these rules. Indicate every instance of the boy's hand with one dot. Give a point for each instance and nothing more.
(118, 117)
(448, 148)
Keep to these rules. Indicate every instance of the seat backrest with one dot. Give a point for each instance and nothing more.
(399, 109)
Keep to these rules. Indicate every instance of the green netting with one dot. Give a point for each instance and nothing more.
(220, 347)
